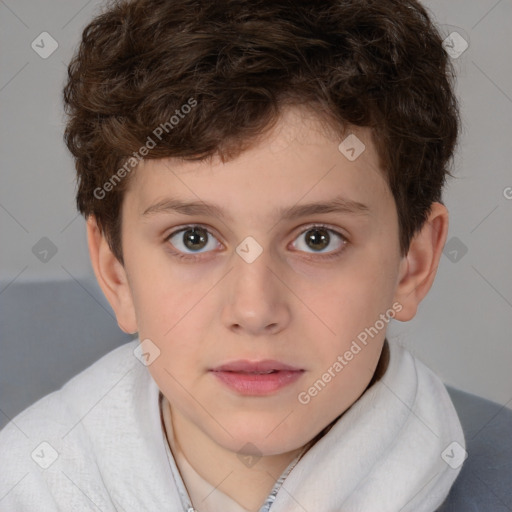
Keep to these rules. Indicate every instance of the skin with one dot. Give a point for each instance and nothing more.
(291, 304)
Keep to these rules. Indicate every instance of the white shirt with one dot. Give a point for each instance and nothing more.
(98, 443)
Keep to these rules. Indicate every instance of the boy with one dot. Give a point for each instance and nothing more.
(262, 186)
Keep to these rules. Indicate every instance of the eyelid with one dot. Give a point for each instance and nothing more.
(336, 253)
(322, 225)
(186, 227)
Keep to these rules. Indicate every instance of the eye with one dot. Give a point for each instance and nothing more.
(319, 237)
(192, 238)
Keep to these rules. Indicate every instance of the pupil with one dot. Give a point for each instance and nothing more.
(194, 237)
(320, 237)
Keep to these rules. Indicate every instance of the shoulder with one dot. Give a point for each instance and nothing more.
(484, 482)
(62, 429)
(56, 410)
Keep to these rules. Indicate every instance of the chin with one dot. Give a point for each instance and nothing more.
(253, 436)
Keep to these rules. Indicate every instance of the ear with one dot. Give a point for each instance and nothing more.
(111, 277)
(419, 267)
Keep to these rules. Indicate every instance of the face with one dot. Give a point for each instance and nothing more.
(254, 284)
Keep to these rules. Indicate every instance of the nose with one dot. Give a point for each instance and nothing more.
(256, 300)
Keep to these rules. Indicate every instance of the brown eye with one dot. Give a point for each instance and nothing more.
(318, 238)
(195, 238)
(192, 238)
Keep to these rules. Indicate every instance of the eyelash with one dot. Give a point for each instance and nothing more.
(329, 256)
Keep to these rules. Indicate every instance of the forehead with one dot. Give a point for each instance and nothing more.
(300, 160)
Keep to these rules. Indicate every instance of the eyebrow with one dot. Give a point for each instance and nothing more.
(336, 205)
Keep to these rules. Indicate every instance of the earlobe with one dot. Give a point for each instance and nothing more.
(418, 268)
(111, 276)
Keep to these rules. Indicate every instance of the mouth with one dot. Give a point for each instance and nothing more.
(257, 378)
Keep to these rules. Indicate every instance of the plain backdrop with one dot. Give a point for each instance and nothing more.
(463, 327)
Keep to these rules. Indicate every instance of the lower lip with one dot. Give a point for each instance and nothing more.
(258, 384)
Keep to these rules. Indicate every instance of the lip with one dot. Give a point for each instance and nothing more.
(243, 365)
(247, 377)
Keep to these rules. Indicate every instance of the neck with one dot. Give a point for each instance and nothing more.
(247, 484)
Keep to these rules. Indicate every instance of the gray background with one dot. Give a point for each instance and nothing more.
(463, 327)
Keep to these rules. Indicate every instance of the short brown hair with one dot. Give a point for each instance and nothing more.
(374, 63)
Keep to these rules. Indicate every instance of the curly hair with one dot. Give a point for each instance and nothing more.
(238, 63)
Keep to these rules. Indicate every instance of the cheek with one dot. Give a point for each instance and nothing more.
(348, 300)
(167, 314)
(165, 293)
(347, 322)
(171, 316)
